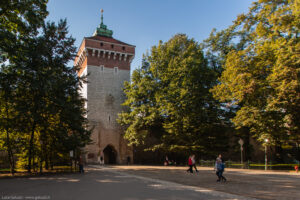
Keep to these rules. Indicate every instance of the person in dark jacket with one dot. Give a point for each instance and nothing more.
(219, 167)
(81, 170)
(221, 170)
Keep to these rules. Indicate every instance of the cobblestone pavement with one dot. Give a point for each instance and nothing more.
(247, 183)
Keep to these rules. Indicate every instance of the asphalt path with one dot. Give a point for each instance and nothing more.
(259, 184)
(105, 184)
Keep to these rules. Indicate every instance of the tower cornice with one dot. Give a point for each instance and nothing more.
(105, 42)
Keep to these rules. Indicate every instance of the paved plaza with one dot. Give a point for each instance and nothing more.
(152, 183)
(257, 184)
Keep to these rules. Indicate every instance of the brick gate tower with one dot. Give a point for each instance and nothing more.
(106, 62)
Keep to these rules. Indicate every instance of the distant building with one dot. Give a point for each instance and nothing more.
(106, 61)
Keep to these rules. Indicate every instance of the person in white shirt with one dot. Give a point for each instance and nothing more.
(194, 162)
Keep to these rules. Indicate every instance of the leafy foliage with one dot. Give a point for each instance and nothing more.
(169, 100)
(42, 112)
(262, 78)
(19, 19)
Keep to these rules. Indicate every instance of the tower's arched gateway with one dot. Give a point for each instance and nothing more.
(106, 61)
(110, 155)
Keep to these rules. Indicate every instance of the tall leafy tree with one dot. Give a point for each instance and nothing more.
(18, 19)
(47, 107)
(217, 47)
(142, 120)
(263, 77)
(49, 90)
(169, 99)
(7, 113)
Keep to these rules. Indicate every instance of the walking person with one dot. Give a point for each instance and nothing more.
(166, 163)
(222, 168)
(101, 160)
(190, 163)
(194, 162)
(128, 160)
(81, 170)
(218, 167)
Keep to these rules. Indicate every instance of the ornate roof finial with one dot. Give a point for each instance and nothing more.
(102, 16)
(102, 30)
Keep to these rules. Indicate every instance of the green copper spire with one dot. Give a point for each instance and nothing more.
(101, 16)
(102, 29)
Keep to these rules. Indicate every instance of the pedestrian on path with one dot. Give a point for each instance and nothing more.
(194, 162)
(219, 167)
(81, 170)
(166, 163)
(221, 171)
(101, 160)
(190, 163)
(128, 160)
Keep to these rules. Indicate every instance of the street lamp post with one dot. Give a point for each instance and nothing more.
(266, 156)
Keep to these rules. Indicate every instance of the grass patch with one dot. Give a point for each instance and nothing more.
(5, 173)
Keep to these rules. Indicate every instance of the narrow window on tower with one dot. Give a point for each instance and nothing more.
(112, 46)
(101, 44)
(123, 48)
(109, 118)
(115, 70)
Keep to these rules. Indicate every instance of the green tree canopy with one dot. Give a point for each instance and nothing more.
(40, 98)
(262, 78)
(169, 100)
(19, 19)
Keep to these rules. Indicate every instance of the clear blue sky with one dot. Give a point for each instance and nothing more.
(144, 22)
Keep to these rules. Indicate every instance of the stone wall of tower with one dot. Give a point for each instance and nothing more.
(105, 97)
(107, 66)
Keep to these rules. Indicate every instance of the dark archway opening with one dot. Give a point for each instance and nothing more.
(110, 155)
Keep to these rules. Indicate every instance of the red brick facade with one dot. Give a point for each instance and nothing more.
(101, 50)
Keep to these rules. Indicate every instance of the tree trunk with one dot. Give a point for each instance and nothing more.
(46, 156)
(41, 160)
(51, 159)
(10, 154)
(278, 152)
(33, 162)
(297, 151)
(46, 161)
(31, 147)
(51, 164)
(41, 165)
(9, 149)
